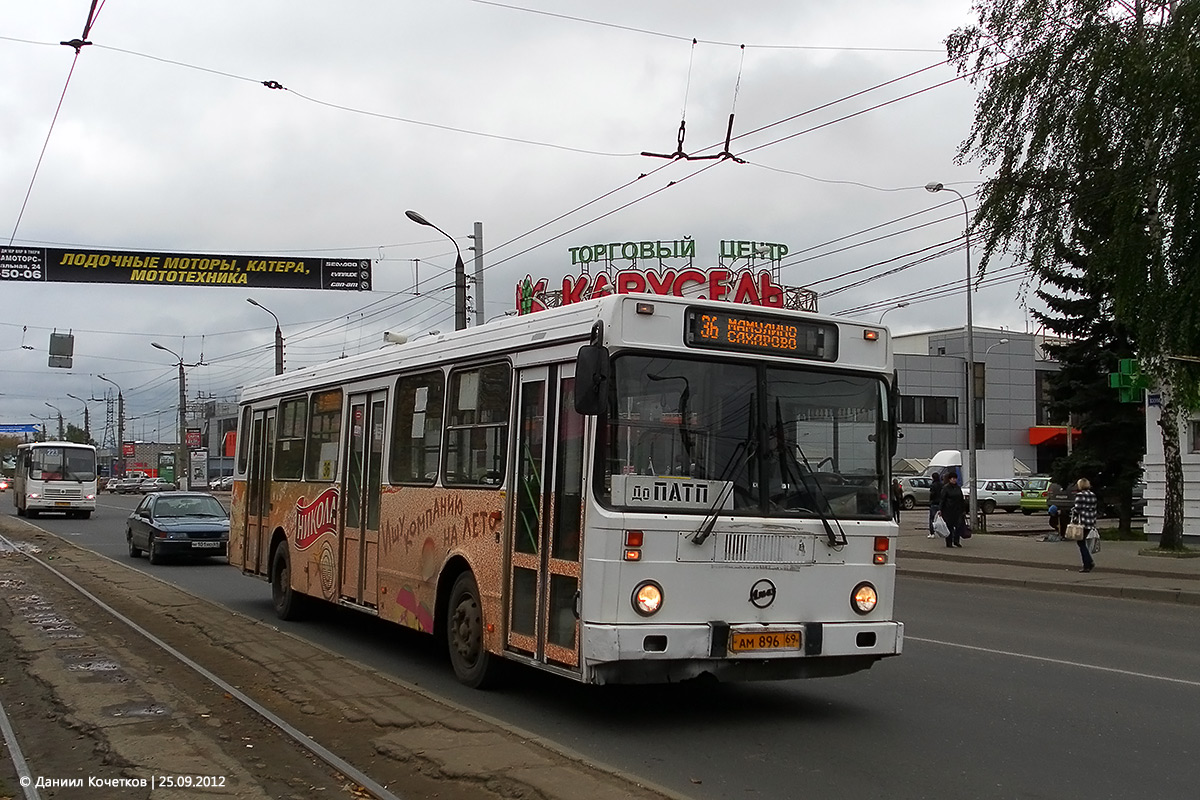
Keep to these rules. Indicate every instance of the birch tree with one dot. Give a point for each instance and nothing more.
(1091, 109)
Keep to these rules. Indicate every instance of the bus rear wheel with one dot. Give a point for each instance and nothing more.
(289, 604)
(473, 664)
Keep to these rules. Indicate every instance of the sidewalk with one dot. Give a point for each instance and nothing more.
(1013, 554)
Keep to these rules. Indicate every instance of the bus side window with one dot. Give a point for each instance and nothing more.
(417, 430)
(289, 439)
(477, 426)
(324, 436)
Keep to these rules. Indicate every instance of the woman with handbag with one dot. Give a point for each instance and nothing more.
(1084, 514)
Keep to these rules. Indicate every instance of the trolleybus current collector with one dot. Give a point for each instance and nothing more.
(630, 489)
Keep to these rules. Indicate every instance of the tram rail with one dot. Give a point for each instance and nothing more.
(415, 744)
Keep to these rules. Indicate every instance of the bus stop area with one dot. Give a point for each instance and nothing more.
(1013, 553)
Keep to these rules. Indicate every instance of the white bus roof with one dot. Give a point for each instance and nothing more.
(568, 326)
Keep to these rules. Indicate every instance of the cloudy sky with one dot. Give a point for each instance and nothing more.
(528, 117)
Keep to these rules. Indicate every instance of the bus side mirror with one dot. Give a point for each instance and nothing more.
(593, 371)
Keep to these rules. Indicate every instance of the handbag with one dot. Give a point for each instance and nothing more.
(940, 527)
(1075, 532)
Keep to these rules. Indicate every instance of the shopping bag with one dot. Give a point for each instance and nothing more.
(1093, 540)
(1075, 532)
(940, 527)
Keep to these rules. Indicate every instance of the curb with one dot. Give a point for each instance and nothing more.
(1179, 596)
(1008, 562)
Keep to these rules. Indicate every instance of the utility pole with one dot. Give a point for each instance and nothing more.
(181, 451)
(460, 274)
(120, 420)
(477, 237)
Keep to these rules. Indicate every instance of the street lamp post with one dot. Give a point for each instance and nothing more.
(87, 425)
(278, 335)
(888, 311)
(938, 187)
(120, 420)
(985, 394)
(181, 466)
(460, 273)
(61, 434)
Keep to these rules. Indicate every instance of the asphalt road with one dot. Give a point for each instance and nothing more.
(1000, 693)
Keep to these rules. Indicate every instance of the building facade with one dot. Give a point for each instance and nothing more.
(1010, 373)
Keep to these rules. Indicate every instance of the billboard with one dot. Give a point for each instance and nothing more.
(56, 265)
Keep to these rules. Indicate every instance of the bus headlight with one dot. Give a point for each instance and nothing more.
(647, 598)
(864, 599)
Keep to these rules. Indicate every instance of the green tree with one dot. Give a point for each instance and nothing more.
(1092, 108)
(1113, 438)
(77, 434)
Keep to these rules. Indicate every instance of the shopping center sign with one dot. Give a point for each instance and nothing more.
(746, 273)
(50, 264)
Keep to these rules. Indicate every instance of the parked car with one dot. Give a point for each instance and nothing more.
(123, 485)
(170, 523)
(155, 485)
(1107, 501)
(995, 493)
(1034, 496)
(4, 484)
(226, 483)
(916, 490)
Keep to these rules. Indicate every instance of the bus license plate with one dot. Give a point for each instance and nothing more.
(206, 544)
(767, 640)
(66, 503)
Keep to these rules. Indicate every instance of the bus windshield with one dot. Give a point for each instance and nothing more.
(62, 464)
(692, 436)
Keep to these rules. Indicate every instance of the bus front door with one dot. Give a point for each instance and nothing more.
(360, 487)
(258, 493)
(546, 535)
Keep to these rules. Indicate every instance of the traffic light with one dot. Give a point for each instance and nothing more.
(1128, 381)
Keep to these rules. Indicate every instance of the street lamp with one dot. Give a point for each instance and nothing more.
(893, 308)
(61, 435)
(985, 394)
(460, 273)
(938, 187)
(181, 467)
(120, 420)
(278, 335)
(87, 428)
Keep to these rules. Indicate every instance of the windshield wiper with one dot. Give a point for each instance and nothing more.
(788, 460)
(748, 445)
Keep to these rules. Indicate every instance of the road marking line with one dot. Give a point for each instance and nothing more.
(1064, 662)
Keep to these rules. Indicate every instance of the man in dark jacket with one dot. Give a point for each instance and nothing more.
(935, 500)
(954, 510)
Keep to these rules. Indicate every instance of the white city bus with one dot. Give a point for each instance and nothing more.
(55, 476)
(631, 489)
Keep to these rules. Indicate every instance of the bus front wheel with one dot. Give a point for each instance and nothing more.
(473, 664)
(288, 603)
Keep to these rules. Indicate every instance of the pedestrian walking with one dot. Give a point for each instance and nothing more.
(954, 510)
(897, 498)
(1084, 514)
(935, 501)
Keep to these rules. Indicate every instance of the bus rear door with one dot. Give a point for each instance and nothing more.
(361, 481)
(546, 539)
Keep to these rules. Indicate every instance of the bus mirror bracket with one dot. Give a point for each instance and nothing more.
(593, 370)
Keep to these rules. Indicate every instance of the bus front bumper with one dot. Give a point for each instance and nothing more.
(667, 653)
